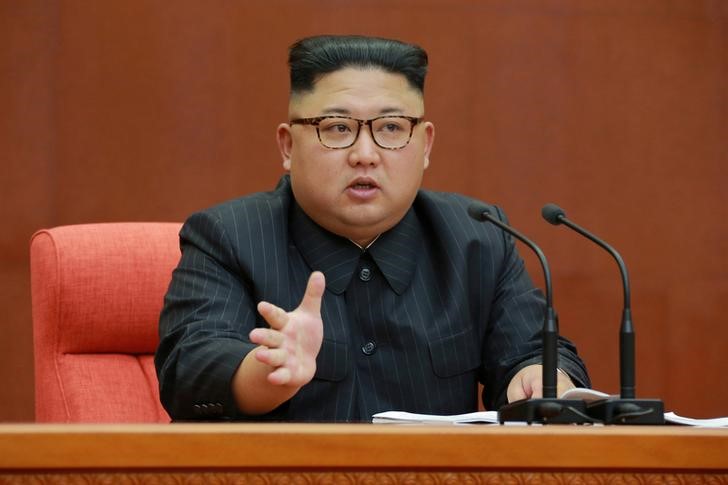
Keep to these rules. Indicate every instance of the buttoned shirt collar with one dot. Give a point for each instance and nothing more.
(395, 251)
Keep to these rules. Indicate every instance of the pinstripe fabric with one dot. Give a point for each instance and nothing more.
(435, 305)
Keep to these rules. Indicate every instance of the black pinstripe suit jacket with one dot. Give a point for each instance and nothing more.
(435, 305)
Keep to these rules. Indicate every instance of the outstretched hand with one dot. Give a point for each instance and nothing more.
(293, 341)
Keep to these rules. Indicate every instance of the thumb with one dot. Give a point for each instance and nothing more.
(311, 302)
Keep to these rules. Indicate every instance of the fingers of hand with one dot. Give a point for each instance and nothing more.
(536, 388)
(275, 316)
(563, 382)
(280, 376)
(267, 337)
(533, 381)
(314, 292)
(526, 383)
(272, 357)
(515, 391)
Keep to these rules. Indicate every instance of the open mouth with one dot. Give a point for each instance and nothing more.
(363, 183)
(363, 189)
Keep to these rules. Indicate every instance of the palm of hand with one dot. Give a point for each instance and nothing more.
(303, 335)
(294, 339)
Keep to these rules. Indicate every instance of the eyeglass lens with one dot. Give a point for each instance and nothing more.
(388, 132)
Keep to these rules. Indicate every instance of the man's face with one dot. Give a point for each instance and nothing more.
(364, 190)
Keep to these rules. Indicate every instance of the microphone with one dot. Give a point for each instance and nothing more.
(627, 409)
(548, 409)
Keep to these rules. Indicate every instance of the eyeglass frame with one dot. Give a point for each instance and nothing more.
(414, 121)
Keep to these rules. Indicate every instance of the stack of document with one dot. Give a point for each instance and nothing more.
(491, 417)
(479, 417)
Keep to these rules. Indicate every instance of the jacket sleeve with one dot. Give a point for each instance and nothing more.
(514, 333)
(204, 325)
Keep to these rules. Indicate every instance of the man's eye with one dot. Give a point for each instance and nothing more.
(390, 128)
(337, 128)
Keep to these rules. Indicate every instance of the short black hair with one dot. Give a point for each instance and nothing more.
(312, 57)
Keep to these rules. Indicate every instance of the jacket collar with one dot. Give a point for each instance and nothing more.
(395, 252)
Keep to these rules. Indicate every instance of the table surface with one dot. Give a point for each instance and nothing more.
(340, 446)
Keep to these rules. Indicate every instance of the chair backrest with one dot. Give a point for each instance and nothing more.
(97, 290)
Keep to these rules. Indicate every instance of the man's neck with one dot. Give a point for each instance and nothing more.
(366, 244)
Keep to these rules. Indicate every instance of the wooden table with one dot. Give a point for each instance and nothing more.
(360, 453)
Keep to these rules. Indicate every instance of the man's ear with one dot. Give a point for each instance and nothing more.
(429, 141)
(285, 144)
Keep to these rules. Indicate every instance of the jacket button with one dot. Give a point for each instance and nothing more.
(369, 348)
(365, 274)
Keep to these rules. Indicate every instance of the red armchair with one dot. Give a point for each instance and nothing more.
(97, 291)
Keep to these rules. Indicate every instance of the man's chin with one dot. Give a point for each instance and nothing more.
(370, 226)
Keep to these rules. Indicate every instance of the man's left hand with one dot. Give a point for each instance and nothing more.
(528, 383)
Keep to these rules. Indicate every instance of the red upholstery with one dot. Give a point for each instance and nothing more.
(97, 291)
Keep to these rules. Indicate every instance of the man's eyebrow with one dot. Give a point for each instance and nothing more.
(389, 111)
(335, 110)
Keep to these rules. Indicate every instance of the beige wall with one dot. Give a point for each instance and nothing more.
(618, 111)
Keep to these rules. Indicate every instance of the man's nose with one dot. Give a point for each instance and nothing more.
(364, 151)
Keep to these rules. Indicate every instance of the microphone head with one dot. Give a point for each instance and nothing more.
(553, 214)
(478, 210)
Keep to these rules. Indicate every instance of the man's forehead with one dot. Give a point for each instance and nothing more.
(358, 85)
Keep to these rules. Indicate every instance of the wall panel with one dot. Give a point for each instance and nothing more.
(142, 110)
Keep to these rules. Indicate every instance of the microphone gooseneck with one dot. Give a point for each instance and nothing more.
(626, 409)
(555, 215)
(483, 212)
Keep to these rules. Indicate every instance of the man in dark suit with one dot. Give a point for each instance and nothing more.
(348, 290)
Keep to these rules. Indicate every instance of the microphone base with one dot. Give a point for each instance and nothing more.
(627, 411)
(545, 411)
